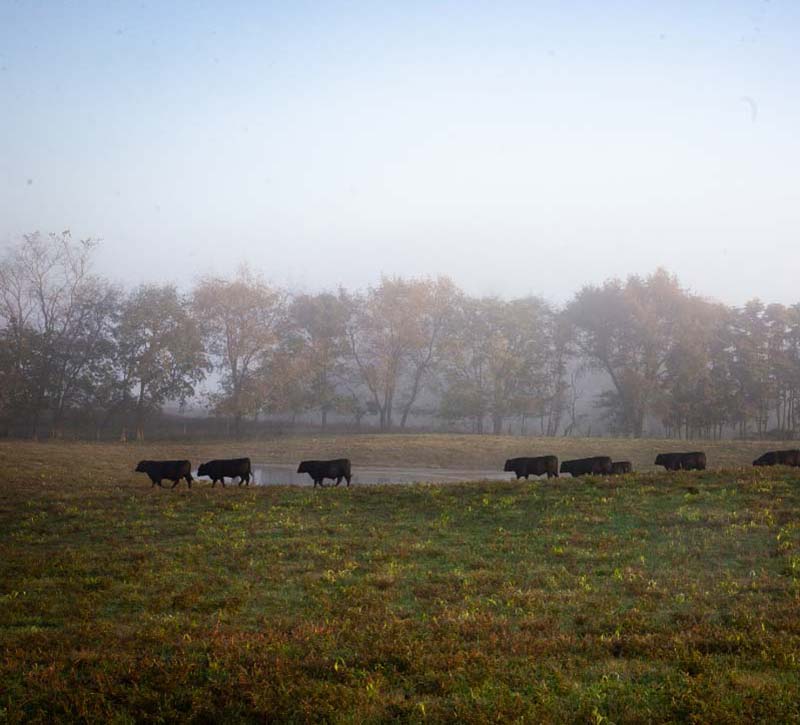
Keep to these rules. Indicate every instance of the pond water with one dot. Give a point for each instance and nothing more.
(283, 474)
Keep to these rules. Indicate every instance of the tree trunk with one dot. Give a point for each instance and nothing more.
(497, 424)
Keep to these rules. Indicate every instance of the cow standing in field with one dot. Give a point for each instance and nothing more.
(171, 470)
(779, 458)
(535, 466)
(594, 466)
(338, 468)
(694, 461)
(620, 468)
(219, 469)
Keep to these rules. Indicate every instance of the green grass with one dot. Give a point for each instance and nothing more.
(619, 600)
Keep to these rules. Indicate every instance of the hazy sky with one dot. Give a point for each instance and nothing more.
(519, 147)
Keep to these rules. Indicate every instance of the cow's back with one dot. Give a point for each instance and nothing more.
(339, 467)
(170, 469)
(670, 461)
(238, 466)
(696, 460)
(334, 468)
(790, 457)
(602, 465)
(544, 464)
(597, 465)
(532, 465)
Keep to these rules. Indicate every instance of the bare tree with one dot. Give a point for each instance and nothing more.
(54, 313)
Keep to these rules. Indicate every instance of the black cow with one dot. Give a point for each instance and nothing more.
(595, 466)
(694, 461)
(219, 469)
(171, 470)
(619, 468)
(338, 468)
(779, 458)
(535, 466)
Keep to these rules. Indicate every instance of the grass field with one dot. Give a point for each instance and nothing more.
(414, 450)
(601, 600)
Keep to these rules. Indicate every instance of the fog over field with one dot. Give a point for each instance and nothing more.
(399, 361)
(555, 219)
(518, 148)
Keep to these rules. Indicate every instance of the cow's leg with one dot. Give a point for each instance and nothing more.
(247, 478)
(338, 480)
(213, 483)
(347, 478)
(222, 481)
(174, 482)
(189, 479)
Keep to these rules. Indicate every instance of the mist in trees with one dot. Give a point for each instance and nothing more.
(398, 334)
(242, 320)
(81, 355)
(159, 351)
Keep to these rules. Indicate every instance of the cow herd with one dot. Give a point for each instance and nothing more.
(221, 468)
(599, 465)
(338, 469)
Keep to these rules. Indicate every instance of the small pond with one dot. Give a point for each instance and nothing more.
(282, 474)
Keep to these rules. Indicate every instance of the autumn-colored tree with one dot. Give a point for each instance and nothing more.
(75, 350)
(242, 319)
(318, 332)
(159, 349)
(628, 330)
(687, 403)
(498, 364)
(397, 332)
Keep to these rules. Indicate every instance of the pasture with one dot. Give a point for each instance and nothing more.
(646, 597)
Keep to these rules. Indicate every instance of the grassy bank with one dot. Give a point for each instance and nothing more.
(599, 600)
(415, 450)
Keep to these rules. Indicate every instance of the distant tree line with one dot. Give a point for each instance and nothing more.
(80, 353)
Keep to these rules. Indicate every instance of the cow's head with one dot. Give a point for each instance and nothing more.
(304, 467)
(661, 459)
(509, 465)
(762, 460)
(202, 469)
(141, 467)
